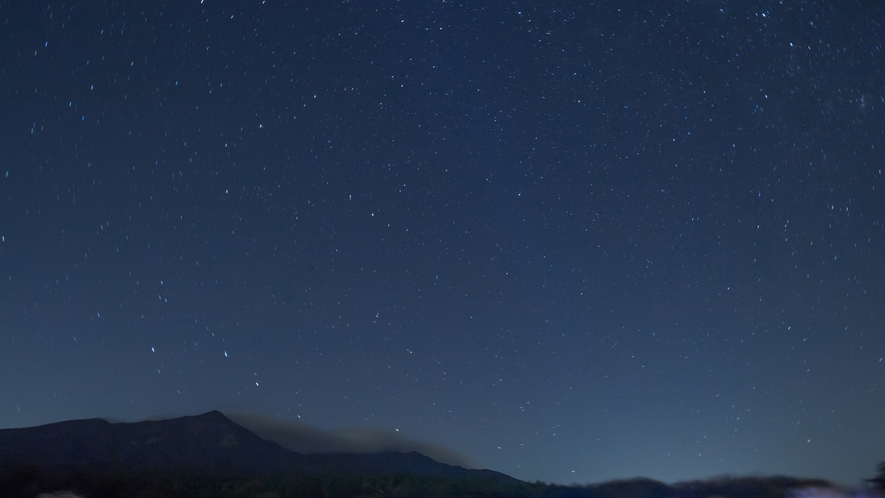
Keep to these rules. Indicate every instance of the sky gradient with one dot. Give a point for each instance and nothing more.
(569, 241)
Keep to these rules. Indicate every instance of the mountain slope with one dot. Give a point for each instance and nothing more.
(203, 444)
(208, 442)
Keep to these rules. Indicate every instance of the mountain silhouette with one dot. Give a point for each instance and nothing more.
(205, 444)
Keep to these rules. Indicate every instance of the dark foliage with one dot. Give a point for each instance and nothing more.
(20, 481)
(29, 481)
(634, 488)
(746, 487)
(879, 481)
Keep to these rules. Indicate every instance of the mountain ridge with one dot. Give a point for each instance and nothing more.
(208, 443)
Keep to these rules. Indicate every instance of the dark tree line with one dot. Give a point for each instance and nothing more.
(29, 481)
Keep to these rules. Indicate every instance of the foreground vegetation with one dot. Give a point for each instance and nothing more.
(30, 481)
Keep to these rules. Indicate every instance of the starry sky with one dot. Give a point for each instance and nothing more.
(570, 241)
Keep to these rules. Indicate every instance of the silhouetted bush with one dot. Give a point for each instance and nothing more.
(633, 488)
(745, 487)
(879, 481)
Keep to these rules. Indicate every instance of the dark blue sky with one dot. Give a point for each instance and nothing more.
(571, 241)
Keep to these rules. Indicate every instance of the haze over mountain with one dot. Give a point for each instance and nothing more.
(302, 438)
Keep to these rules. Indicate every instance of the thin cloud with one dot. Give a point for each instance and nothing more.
(302, 438)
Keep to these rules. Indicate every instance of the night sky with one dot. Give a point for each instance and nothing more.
(569, 241)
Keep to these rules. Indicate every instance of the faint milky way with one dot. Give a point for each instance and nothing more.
(570, 241)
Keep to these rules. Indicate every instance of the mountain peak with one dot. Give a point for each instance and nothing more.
(214, 414)
(208, 444)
